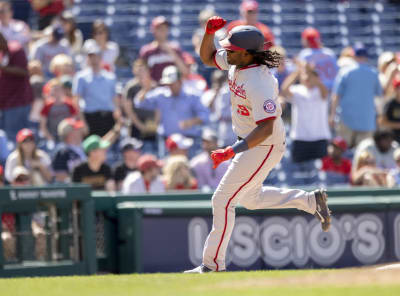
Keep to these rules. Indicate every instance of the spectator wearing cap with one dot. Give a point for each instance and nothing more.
(146, 179)
(161, 53)
(354, 92)
(334, 163)
(131, 150)
(391, 112)
(96, 92)
(109, 50)
(95, 171)
(73, 36)
(69, 152)
(13, 29)
(16, 94)
(46, 49)
(178, 144)
(202, 164)
(143, 125)
(309, 99)
(55, 109)
(381, 146)
(177, 111)
(36, 161)
(249, 16)
(177, 174)
(323, 59)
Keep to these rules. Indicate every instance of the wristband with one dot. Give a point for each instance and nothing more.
(240, 146)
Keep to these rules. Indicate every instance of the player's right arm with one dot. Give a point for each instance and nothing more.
(207, 47)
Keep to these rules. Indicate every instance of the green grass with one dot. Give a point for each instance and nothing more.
(365, 282)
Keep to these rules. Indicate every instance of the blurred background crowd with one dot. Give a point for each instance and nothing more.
(113, 93)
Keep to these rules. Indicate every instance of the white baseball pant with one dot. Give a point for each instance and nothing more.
(242, 183)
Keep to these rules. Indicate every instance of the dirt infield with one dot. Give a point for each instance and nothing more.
(338, 278)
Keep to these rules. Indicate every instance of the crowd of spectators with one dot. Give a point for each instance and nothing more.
(65, 117)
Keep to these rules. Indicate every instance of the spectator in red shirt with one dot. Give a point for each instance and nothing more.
(162, 53)
(57, 108)
(334, 162)
(16, 94)
(249, 14)
(48, 10)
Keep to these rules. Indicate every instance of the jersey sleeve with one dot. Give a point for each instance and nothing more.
(220, 59)
(263, 101)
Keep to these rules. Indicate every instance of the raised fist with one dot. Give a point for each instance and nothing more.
(214, 23)
(221, 155)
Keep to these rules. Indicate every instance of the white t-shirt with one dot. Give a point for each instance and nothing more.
(309, 114)
(254, 94)
(13, 161)
(134, 184)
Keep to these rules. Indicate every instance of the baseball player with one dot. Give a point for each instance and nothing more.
(256, 119)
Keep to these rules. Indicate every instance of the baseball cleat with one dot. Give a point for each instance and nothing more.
(322, 213)
(200, 269)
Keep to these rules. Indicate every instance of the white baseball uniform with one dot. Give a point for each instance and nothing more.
(254, 93)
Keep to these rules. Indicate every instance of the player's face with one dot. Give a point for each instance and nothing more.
(234, 57)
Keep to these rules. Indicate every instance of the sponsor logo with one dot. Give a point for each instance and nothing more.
(269, 106)
(282, 241)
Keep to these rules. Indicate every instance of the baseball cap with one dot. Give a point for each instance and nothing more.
(170, 75)
(312, 36)
(19, 171)
(23, 134)
(159, 20)
(92, 48)
(360, 50)
(178, 141)
(396, 81)
(94, 142)
(249, 5)
(340, 143)
(243, 38)
(209, 135)
(130, 144)
(67, 125)
(148, 161)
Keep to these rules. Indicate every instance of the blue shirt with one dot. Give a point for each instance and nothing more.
(174, 110)
(357, 87)
(324, 61)
(96, 90)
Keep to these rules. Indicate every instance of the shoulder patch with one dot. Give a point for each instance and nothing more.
(269, 106)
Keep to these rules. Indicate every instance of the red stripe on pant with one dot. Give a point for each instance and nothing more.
(233, 196)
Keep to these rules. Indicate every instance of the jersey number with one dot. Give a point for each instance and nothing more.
(242, 110)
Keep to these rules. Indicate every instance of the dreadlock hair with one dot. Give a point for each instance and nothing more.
(271, 59)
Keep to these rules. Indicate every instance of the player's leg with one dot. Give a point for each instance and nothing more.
(266, 197)
(240, 177)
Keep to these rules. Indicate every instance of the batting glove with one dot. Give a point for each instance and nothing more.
(221, 155)
(214, 23)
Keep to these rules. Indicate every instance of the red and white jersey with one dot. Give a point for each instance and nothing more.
(254, 98)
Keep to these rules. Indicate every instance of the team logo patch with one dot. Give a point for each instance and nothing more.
(269, 106)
